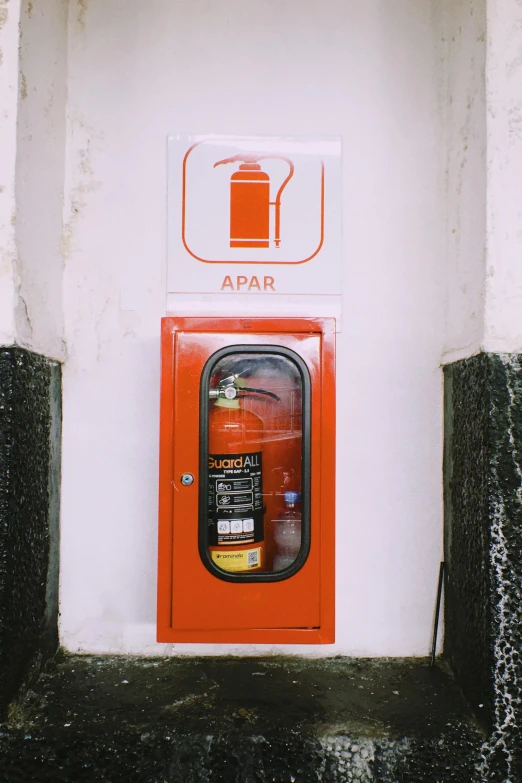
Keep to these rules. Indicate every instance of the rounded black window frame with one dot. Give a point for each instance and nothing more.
(203, 544)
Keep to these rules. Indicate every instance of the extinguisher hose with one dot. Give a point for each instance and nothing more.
(260, 391)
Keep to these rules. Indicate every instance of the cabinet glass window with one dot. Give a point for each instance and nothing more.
(255, 463)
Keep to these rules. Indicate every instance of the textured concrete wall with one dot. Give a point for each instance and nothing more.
(9, 41)
(40, 171)
(30, 414)
(463, 103)
(33, 38)
(483, 548)
(503, 284)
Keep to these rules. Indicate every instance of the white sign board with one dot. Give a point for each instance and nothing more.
(257, 216)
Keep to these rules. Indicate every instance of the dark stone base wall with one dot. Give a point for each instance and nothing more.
(468, 632)
(30, 434)
(483, 532)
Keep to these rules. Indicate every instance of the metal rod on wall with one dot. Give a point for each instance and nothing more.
(437, 613)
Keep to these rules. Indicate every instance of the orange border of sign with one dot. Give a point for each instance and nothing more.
(323, 481)
(267, 263)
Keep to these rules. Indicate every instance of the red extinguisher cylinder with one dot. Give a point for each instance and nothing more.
(235, 477)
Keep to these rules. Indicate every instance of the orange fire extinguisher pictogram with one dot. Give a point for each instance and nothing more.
(235, 478)
(250, 202)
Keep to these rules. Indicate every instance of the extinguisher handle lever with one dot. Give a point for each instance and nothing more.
(260, 391)
(231, 392)
(230, 388)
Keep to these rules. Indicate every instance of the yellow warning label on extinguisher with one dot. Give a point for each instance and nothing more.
(240, 560)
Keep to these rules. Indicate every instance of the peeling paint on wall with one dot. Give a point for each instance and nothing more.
(24, 327)
(4, 14)
(23, 86)
(82, 178)
(82, 13)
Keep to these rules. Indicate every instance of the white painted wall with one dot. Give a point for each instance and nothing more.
(368, 71)
(9, 21)
(503, 321)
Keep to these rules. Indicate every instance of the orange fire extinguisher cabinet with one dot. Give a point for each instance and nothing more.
(247, 481)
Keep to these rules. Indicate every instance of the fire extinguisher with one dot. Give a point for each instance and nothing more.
(250, 202)
(235, 478)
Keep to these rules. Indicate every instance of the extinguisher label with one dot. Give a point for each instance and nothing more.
(235, 498)
(239, 560)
